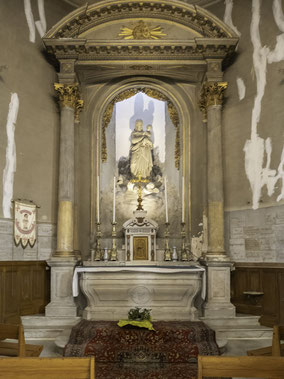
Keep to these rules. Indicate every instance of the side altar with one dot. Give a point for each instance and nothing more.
(142, 279)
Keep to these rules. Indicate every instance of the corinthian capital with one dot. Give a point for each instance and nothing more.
(69, 96)
(212, 93)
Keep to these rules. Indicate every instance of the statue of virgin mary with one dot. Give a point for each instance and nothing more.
(141, 161)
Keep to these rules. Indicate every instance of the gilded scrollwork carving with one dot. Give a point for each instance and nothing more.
(69, 96)
(212, 93)
(155, 94)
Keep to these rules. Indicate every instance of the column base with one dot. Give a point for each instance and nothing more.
(64, 254)
(215, 257)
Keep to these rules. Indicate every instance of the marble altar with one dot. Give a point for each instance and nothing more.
(169, 290)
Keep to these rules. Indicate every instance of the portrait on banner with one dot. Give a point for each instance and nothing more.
(24, 223)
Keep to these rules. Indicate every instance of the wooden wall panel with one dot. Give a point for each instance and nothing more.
(266, 278)
(25, 287)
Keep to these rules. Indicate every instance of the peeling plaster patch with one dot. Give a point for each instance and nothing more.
(30, 19)
(257, 148)
(228, 16)
(40, 24)
(241, 88)
(10, 167)
(278, 14)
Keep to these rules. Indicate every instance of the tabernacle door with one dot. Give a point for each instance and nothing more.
(140, 248)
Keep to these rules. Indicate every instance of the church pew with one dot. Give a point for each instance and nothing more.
(276, 349)
(240, 367)
(47, 368)
(20, 348)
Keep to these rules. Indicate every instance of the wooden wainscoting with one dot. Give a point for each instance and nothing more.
(25, 289)
(258, 289)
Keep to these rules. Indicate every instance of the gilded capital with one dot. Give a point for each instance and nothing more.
(212, 93)
(69, 96)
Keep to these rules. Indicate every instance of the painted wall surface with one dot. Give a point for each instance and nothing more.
(29, 120)
(253, 130)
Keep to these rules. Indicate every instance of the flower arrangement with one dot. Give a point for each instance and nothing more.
(139, 314)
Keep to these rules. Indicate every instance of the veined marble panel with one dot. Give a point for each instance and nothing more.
(255, 235)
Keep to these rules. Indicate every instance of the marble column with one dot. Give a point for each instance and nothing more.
(64, 259)
(69, 99)
(218, 263)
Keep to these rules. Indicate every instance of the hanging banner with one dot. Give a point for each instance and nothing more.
(24, 223)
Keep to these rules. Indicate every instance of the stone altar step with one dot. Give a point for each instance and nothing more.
(43, 327)
(239, 327)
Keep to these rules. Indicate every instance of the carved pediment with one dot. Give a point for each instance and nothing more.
(192, 17)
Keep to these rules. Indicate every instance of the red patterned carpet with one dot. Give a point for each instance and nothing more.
(127, 353)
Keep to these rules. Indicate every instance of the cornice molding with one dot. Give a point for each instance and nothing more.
(84, 50)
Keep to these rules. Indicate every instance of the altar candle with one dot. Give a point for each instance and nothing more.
(114, 183)
(166, 201)
(183, 202)
(98, 199)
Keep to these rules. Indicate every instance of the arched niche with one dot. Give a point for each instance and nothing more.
(168, 46)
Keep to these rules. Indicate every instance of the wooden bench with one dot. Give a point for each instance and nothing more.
(47, 368)
(276, 349)
(20, 348)
(240, 367)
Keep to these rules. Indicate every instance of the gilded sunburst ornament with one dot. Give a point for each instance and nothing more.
(142, 31)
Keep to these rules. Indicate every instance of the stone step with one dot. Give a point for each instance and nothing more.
(242, 332)
(42, 327)
(245, 320)
(239, 327)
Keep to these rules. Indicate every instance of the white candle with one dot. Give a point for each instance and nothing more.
(98, 199)
(114, 184)
(166, 201)
(183, 202)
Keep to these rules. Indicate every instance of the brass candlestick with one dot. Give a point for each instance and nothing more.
(98, 250)
(167, 255)
(113, 254)
(184, 255)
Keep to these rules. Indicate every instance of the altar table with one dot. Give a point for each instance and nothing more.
(170, 291)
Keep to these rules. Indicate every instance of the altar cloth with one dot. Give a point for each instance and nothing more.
(140, 324)
(154, 269)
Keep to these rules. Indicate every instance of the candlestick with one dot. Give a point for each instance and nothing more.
(113, 254)
(114, 193)
(183, 201)
(184, 255)
(167, 254)
(166, 200)
(98, 199)
(98, 250)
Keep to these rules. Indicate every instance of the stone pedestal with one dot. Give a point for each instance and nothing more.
(218, 303)
(62, 302)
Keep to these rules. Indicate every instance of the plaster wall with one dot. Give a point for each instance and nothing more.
(253, 215)
(25, 71)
